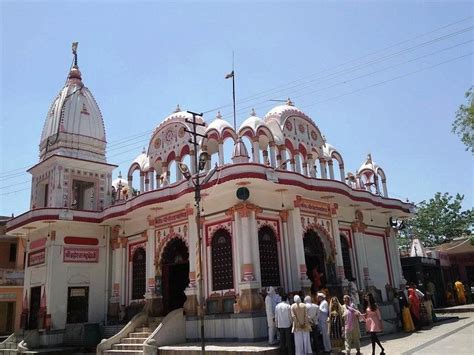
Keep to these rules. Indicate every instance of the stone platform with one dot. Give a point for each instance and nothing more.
(261, 348)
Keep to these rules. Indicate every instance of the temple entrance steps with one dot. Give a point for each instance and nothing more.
(131, 342)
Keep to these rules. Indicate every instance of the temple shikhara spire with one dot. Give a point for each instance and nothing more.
(282, 209)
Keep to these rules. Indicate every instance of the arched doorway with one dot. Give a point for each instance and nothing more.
(138, 274)
(268, 251)
(175, 274)
(315, 257)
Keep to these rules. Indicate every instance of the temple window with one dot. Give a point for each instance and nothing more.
(83, 195)
(222, 269)
(138, 274)
(269, 268)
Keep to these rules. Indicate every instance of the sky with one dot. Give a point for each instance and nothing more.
(379, 77)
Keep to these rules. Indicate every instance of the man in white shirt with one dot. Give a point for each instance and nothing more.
(313, 310)
(323, 320)
(270, 309)
(283, 322)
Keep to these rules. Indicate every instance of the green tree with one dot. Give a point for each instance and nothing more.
(463, 125)
(439, 220)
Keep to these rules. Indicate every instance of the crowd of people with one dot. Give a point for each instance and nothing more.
(319, 327)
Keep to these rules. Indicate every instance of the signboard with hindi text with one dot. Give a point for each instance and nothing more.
(81, 255)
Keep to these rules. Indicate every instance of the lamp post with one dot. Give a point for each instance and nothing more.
(199, 163)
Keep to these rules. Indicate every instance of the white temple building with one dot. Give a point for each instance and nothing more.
(101, 250)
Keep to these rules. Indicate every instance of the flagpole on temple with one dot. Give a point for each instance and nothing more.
(232, 75)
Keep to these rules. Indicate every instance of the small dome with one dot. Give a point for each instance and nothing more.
(219, 124)
(369, 164)
(142, 161)
(119, 182)
(253, 122)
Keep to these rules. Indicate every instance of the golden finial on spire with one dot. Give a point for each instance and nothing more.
(289, 102)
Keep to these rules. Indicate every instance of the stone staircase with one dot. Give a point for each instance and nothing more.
(132, 344)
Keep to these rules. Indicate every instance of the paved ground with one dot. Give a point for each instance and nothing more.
(453, 337)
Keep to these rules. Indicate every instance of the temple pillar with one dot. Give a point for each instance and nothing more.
(265, 157)
(297, 163)
(337, 242)
(221, 153)
(255, 150)
(300, 278)
(130, 185)
(191, 304)
(165, 173)
(250, 299)
(272, 155)
(322, 164)
(142, 184)
(311, 167)
(147, 181)
(114, 300)
(151, 180)
(331, 169)
(343, 174)
(286, 251)
(283, 158)
(384, 188)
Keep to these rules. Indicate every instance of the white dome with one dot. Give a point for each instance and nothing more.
(369, 165)
(74, 126)
(123, 183)
(219, 124)
(282, 112)
(253, 122)
(142, 161)
(179, 116)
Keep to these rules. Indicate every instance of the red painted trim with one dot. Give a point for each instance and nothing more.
(131, 245)
(81, 241)
(248, 175)
(278, 233)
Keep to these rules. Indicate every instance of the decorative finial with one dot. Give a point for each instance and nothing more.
(369, 158)
(219, 116)
(120, 174)
(324, 139)
(289, 102)
(253, 112)
(74, 52)
(177, 109)
(143, 150)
